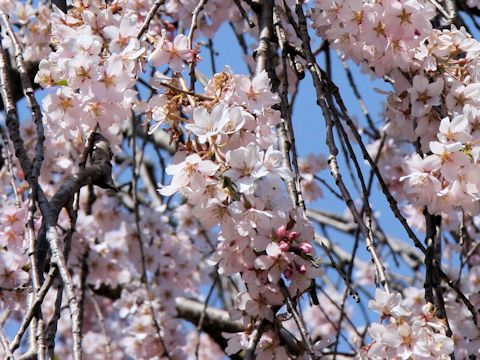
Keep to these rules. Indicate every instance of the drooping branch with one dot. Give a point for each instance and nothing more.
(196, 13)
(260, 327)
(327, 110)
(285, 132)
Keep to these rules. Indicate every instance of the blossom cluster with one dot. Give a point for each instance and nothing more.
(434, 102)
(412, 330)
(229, 169)
(107, 244)
(94, 67)
(443, 102)
(231, 174)
(379, 35)
(34, 28)
(14, 263)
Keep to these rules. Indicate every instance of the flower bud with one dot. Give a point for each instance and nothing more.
(293, 235)
(284, 246)
(306, 248)
(281, 232)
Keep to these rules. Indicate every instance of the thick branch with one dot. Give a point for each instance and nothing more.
(99, 173)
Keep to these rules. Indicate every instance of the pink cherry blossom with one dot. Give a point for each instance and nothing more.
(172, 53)
(188, 173)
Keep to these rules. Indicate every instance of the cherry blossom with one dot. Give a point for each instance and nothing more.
(172, 53)
(188, 173)
(206, 190)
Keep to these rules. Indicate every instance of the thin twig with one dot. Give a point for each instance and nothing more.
(345, 277)
(187, 92)
(361, 103)
(328, 186)
(149, 17)
(391, 200)
(193, 27)
(300, 325)
(9, 161)
(212, 56)
(244, 14)
(366, 207)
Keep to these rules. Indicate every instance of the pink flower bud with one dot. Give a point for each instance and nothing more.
(284, 246)
(293, 236)
(288, 273)
(306, 248)
(282, 232)
(302, 269)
